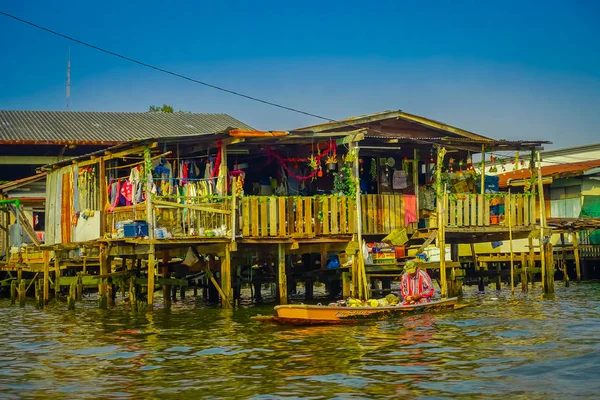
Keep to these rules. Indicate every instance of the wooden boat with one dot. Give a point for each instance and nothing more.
(302, 314)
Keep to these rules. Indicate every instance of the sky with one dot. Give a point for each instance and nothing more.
(508, 70)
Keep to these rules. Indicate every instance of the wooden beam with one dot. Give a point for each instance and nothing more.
(576, 255)
(191, 207)
(226, 279)
(283, 295)
(441, 239)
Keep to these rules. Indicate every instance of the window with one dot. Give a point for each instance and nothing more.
(565, 202)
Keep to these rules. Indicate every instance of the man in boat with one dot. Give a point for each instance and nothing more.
(416, 286)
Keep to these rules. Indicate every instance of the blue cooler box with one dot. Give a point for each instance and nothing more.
(136, 229)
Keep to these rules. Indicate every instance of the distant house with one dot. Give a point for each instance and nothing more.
(30, 139)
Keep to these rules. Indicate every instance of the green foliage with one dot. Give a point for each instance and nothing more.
(164, 109)
(344, 183)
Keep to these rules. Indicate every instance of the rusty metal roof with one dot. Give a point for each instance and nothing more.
(558, 170)
(105, 128)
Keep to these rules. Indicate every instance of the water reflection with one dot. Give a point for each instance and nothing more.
(502, 345)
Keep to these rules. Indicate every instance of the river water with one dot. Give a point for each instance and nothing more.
(522, 347)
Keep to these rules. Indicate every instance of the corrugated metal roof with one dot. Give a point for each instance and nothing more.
(426, 123)
(550, 170)
(82, 127)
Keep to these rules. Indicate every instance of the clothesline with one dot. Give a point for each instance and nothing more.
(140, 162)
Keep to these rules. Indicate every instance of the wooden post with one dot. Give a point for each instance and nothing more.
(283, 296)
(46, 276)
(102, 196)
(416, 178)
(56, 275)
(441, 221)
(510, 241)
(226, 278)
(165, 273)
(549, 268)
(132, 293)
(563, 260)
(234, 210)
(361, 275)
(223, 174)
(22, 293)
(524, 264)
(482, 169)
(531, 259)
(13, 291)
(355, 280)
(150, 222)
(71, 298)
(543, 247)
(79, 293)
(104, 270)
(576, 255)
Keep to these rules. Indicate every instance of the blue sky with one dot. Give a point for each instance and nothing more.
(513, 70)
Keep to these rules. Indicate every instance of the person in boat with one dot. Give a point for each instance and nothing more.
(416, 286)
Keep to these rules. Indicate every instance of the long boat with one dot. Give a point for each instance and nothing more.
(303, 314)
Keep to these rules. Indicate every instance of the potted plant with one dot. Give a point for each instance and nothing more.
(331, 162)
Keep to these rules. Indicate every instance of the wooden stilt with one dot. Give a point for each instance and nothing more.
(545, 248)
(217, 286)
(13, 291)
(38, 290)
(576, 256)
(441, 220)
(151, 227)
(563, 261)
(524, 264)
(165, 274)
(531, 263)
(510, 240)
(56, 275)
(102, 287)
(498, 277)
(283, 295)
(46, 276)
(481, 280)
(22, 291)
(227, 295)
(79, 291)
(132, 293)
(111, 294)
(363, 291)
(71, 298)
(151, 276)
(549, 268)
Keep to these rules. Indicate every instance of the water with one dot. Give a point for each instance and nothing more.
(524, 347)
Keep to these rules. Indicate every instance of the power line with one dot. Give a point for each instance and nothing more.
(178, 75)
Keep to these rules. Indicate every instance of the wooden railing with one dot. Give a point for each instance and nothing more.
(198, 217)
(462, 210)
(272, 217)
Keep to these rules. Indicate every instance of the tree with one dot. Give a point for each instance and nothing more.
(165, 109)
